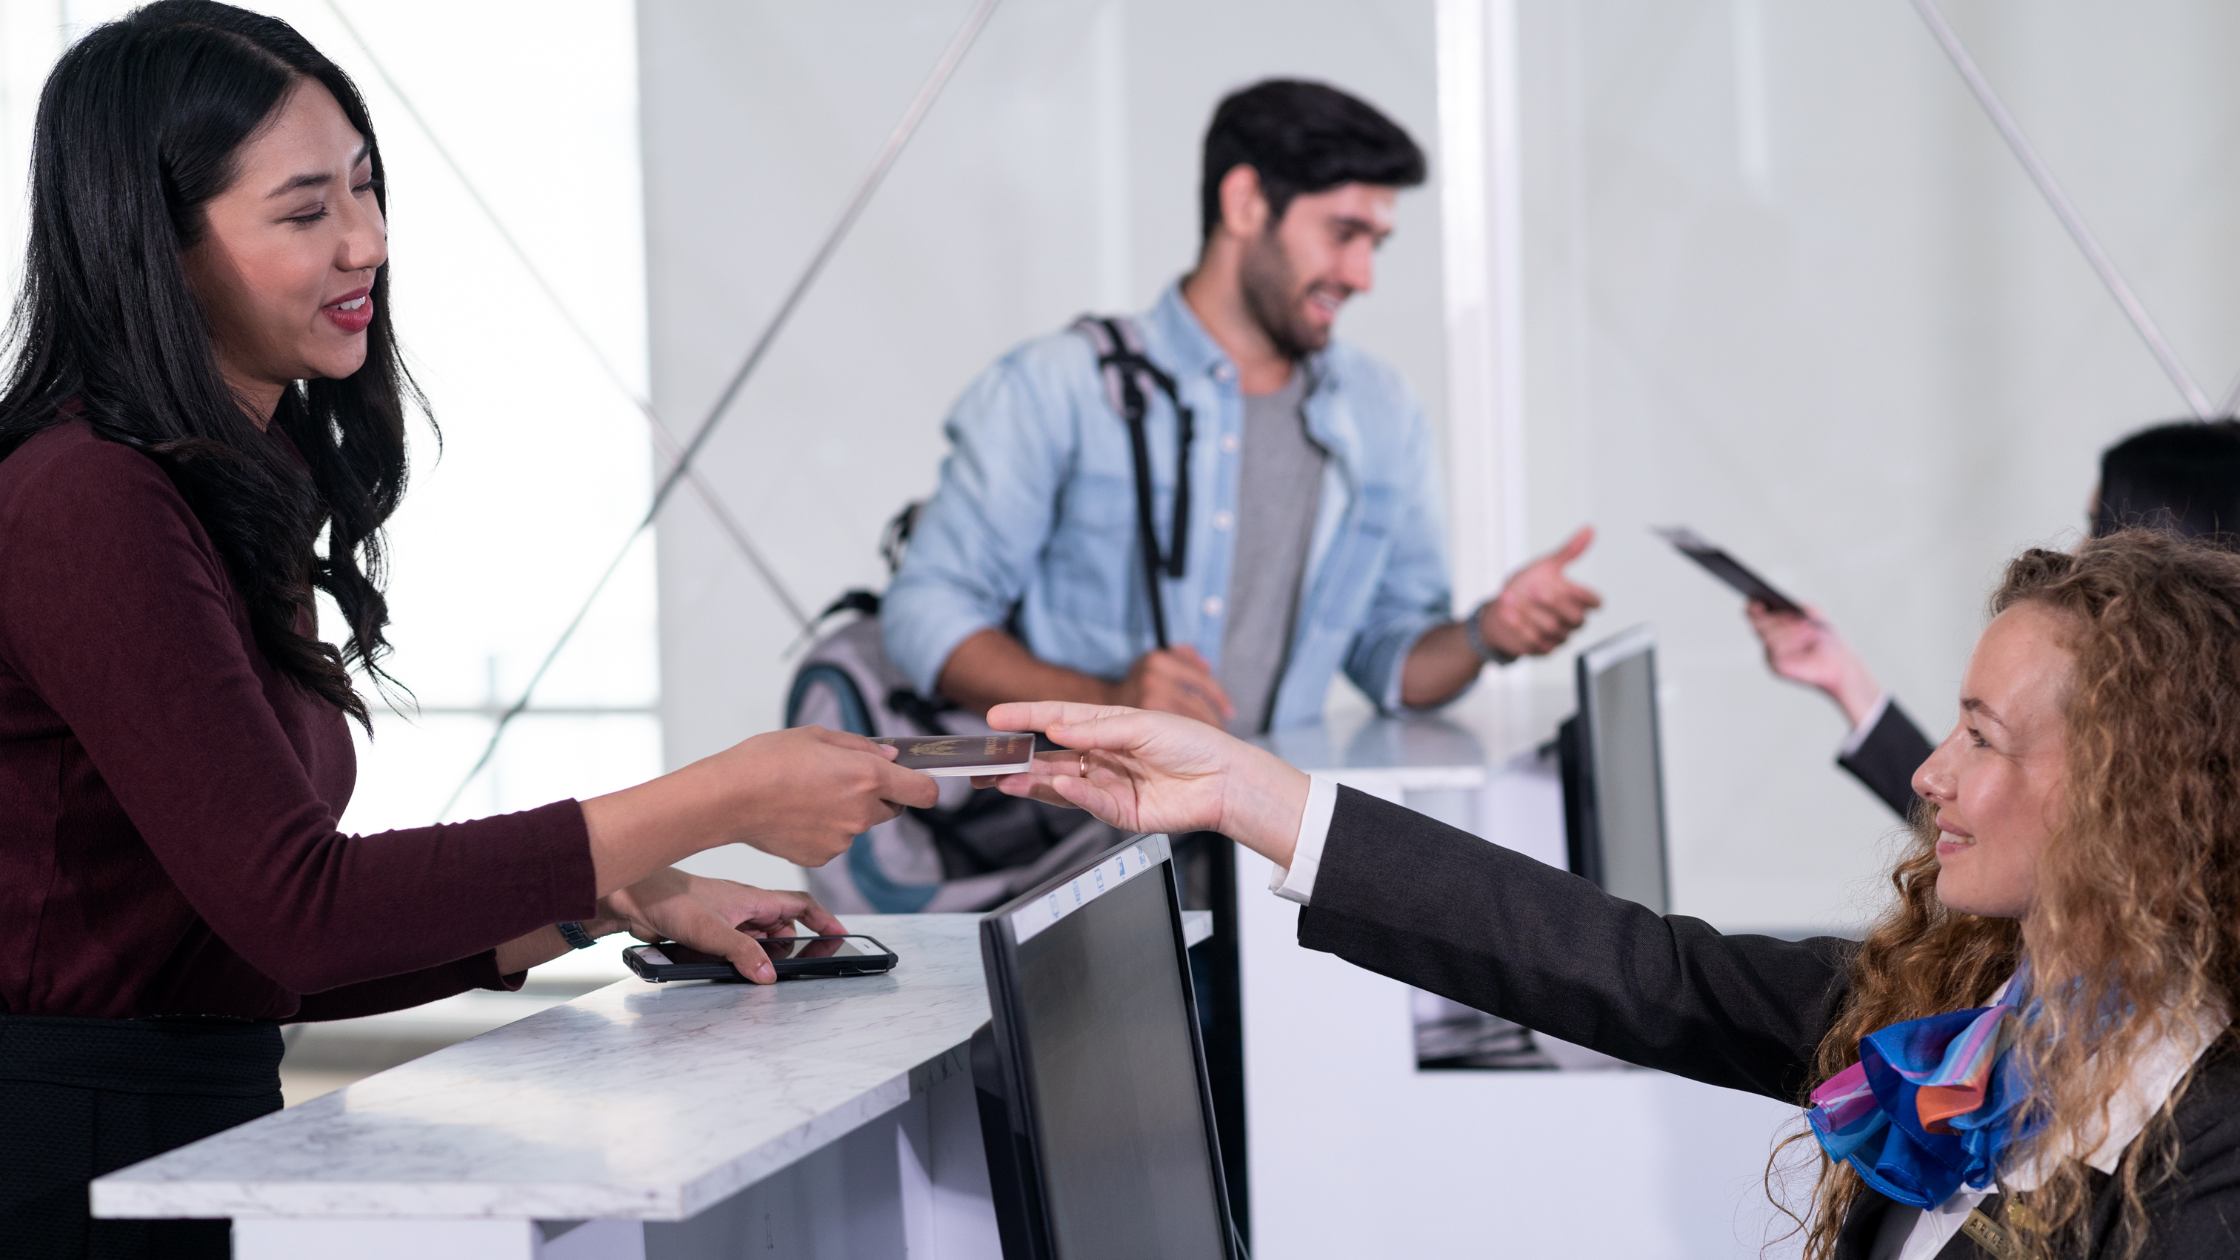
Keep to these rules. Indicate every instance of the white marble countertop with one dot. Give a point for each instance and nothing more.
(636, 1101)
(1453, 747)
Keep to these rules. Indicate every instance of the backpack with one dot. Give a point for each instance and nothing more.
(975, 848)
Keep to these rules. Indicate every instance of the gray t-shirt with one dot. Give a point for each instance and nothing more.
(1279, 487)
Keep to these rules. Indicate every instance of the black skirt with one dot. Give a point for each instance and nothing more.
(84, 1097)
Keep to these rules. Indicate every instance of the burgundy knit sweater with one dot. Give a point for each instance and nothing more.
(169, 802)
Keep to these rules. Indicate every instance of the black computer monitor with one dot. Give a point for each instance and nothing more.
(1613, 775)
(1093, 1094)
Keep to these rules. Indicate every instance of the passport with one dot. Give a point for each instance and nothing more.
(1726, 568)
(951, 756)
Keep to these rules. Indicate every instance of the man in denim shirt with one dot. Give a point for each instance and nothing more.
(1315, 539)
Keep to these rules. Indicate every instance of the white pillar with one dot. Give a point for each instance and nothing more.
(1480, 212)
(947, 1210)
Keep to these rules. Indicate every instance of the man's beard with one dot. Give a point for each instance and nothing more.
(1272, 298)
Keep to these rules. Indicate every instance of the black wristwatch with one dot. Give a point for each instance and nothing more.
(1487, 652)
(572, 932)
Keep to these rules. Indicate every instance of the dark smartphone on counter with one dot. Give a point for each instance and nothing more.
(789, 956)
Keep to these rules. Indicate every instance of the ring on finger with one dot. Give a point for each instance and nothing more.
(1084, 765)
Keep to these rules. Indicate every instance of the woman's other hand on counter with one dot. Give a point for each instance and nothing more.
(800, 794)
(1143, 771)
(716, 916)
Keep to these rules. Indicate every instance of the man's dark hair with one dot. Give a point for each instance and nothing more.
(2183, 478)
(1302, 138)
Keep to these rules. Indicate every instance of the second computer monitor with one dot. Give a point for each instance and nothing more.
(1615, 802)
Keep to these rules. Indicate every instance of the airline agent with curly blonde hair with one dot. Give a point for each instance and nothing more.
(2028, 1056)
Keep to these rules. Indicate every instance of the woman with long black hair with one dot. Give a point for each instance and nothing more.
(204, 425)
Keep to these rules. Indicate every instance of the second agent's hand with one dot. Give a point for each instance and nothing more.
(1142, 771)
(1806, 649)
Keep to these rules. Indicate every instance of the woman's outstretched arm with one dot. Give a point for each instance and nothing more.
(1438, 908)
(1404, 896)
(118, 616)
(802, 794)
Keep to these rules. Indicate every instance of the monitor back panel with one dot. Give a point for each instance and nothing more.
(1095, 1023)
(1624, 769)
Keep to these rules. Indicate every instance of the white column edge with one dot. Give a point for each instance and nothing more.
(1481, 229)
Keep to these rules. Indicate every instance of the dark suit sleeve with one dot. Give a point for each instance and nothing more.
(1450, 913)
(1886, 760)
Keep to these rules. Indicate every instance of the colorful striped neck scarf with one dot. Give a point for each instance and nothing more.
(1931, 1104)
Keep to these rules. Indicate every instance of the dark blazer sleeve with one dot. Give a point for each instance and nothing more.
(1445, 911)
(1886, 759)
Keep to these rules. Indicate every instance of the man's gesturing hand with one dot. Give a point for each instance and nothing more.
(1175, 680)
(1540, 607)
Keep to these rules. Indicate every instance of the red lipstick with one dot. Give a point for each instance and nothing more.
(352, 311)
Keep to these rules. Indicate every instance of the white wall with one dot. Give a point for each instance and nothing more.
(1807, 302)
(1058, 174)
(1781, 282)
(543, 467)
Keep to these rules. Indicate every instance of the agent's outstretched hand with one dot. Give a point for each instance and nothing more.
(1143, 771)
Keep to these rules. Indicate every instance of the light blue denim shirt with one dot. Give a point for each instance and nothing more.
(1036, 508)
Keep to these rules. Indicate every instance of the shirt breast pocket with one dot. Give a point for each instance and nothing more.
(1357, 557)
(1099, 503)
(1091, 562)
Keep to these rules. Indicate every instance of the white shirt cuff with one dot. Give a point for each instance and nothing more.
(1296, 882)
(1866, 726)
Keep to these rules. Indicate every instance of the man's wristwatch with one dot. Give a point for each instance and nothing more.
(1487, 652)
(572, 932)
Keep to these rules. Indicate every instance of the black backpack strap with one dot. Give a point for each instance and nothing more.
(919, 711)
(1121, 359)
(1131, 361)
